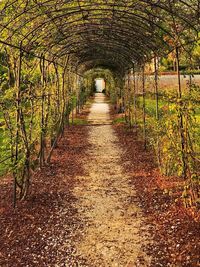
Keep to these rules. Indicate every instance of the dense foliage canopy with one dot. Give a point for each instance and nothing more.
(113, 34)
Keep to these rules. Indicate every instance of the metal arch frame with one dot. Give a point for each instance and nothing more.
(138, 18)
(162, 7)
(94, 9)
(91, 64)
(123, 31)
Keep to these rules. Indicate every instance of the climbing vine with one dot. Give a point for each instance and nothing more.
(35, 106)
(156, 115)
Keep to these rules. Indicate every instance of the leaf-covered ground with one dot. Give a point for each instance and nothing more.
(37, 233)
(175, 229)
(55, 226)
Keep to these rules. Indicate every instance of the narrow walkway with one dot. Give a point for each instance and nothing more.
(113, 236)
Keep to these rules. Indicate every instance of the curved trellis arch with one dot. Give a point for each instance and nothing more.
(78, 28)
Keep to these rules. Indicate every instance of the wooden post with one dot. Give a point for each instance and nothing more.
(134, 92)
(64, 92)
(156, 85)
(57, 88)
(144, 106)
(63, 101)
(190, 76)
(42, 114)
(77, 95)
(129, 100)
(68, 103)
(18, 103)
(180, 116)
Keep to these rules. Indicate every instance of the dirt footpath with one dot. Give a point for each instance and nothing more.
(115, 231)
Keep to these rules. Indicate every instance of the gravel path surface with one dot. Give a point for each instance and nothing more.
(115, 232)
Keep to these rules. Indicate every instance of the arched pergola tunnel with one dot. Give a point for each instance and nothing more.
(92, 33)
(49, 47)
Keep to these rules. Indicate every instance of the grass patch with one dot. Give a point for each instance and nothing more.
(78, 121)
(119, 120)
(150, 105)
(197, 111)
(4, 153)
